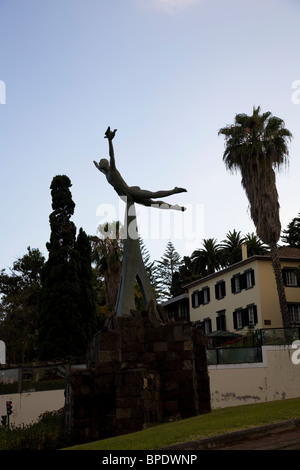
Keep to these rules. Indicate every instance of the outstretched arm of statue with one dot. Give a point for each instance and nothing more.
(110, 135)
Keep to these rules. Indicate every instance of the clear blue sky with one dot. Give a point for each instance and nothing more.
(168, 74)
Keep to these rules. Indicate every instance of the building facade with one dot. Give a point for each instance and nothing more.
(244, 295)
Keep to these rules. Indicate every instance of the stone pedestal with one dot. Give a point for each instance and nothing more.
(143, 372)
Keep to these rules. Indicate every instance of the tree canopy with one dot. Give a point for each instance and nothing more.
(20, 290)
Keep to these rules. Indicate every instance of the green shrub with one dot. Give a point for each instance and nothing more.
(48, 433)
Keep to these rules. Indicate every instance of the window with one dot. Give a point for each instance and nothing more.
(207, 325)
(195, 299)
(200, 297)
(220, 290)
(221, 320)
(236, 284)
(243, 280)
(249, 278)
(252, 315)
(245, 317)
(206, 296)
(239, 319)
(294, 312)
(290, 277)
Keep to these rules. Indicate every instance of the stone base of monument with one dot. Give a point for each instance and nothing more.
(144, 371)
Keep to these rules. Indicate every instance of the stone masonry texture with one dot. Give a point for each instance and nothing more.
(144, 371)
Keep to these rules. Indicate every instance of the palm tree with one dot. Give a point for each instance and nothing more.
(208, 259)
(232, 247)
(256, 145)
(254, 245)
(107, 254)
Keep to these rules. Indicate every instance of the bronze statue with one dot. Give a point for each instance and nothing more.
(133, 268)
(133, 193)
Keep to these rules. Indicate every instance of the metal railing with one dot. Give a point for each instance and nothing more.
(279, 336)
(233, 355)
(236, 353)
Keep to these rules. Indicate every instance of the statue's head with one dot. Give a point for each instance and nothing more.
(104, 165)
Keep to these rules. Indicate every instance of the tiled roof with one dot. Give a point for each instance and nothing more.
(288, 252)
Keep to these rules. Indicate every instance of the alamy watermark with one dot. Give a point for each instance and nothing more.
(296, 93)
(155, 223)
(296, 354)
(2, 92)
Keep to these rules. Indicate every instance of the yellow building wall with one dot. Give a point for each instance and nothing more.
(230, 302)
(270, 310)
(263, 294)
(268, 293)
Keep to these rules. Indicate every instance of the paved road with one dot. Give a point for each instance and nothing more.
(288, 440)
(278, 436)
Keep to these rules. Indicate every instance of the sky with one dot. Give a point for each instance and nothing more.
(167, 74)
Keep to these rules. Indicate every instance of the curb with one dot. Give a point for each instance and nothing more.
(236, 437)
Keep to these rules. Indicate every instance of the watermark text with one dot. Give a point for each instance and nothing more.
(154, 223)
(296, 354)
(296, 93)
(2, 92)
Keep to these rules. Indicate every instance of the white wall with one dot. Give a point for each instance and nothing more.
(275, 378)
(27, 407)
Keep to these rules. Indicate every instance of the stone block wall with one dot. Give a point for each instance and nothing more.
(141, 373)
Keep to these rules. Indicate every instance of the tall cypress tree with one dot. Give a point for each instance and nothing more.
(61, 327)
(87, 294)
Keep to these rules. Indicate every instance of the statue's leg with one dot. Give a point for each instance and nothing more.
(162, 205)
(168, 192)
(139, 194)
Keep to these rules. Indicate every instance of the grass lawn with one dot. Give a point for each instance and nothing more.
(216, 422)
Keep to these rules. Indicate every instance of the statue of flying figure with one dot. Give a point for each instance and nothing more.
(133, 268)
(133, 193)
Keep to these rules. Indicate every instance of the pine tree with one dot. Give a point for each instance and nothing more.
(166, 268)
(291, 235)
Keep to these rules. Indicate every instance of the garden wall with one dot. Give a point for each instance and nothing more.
(275, 378)
(141, 373)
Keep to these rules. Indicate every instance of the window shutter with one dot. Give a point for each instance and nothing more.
(232, 285)
(223, 289)
(217, 291)
(252, 277)
(284, 276)
(255, 313)
(234, 321)
(243, 281)
(245, 317)
(193, 299)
